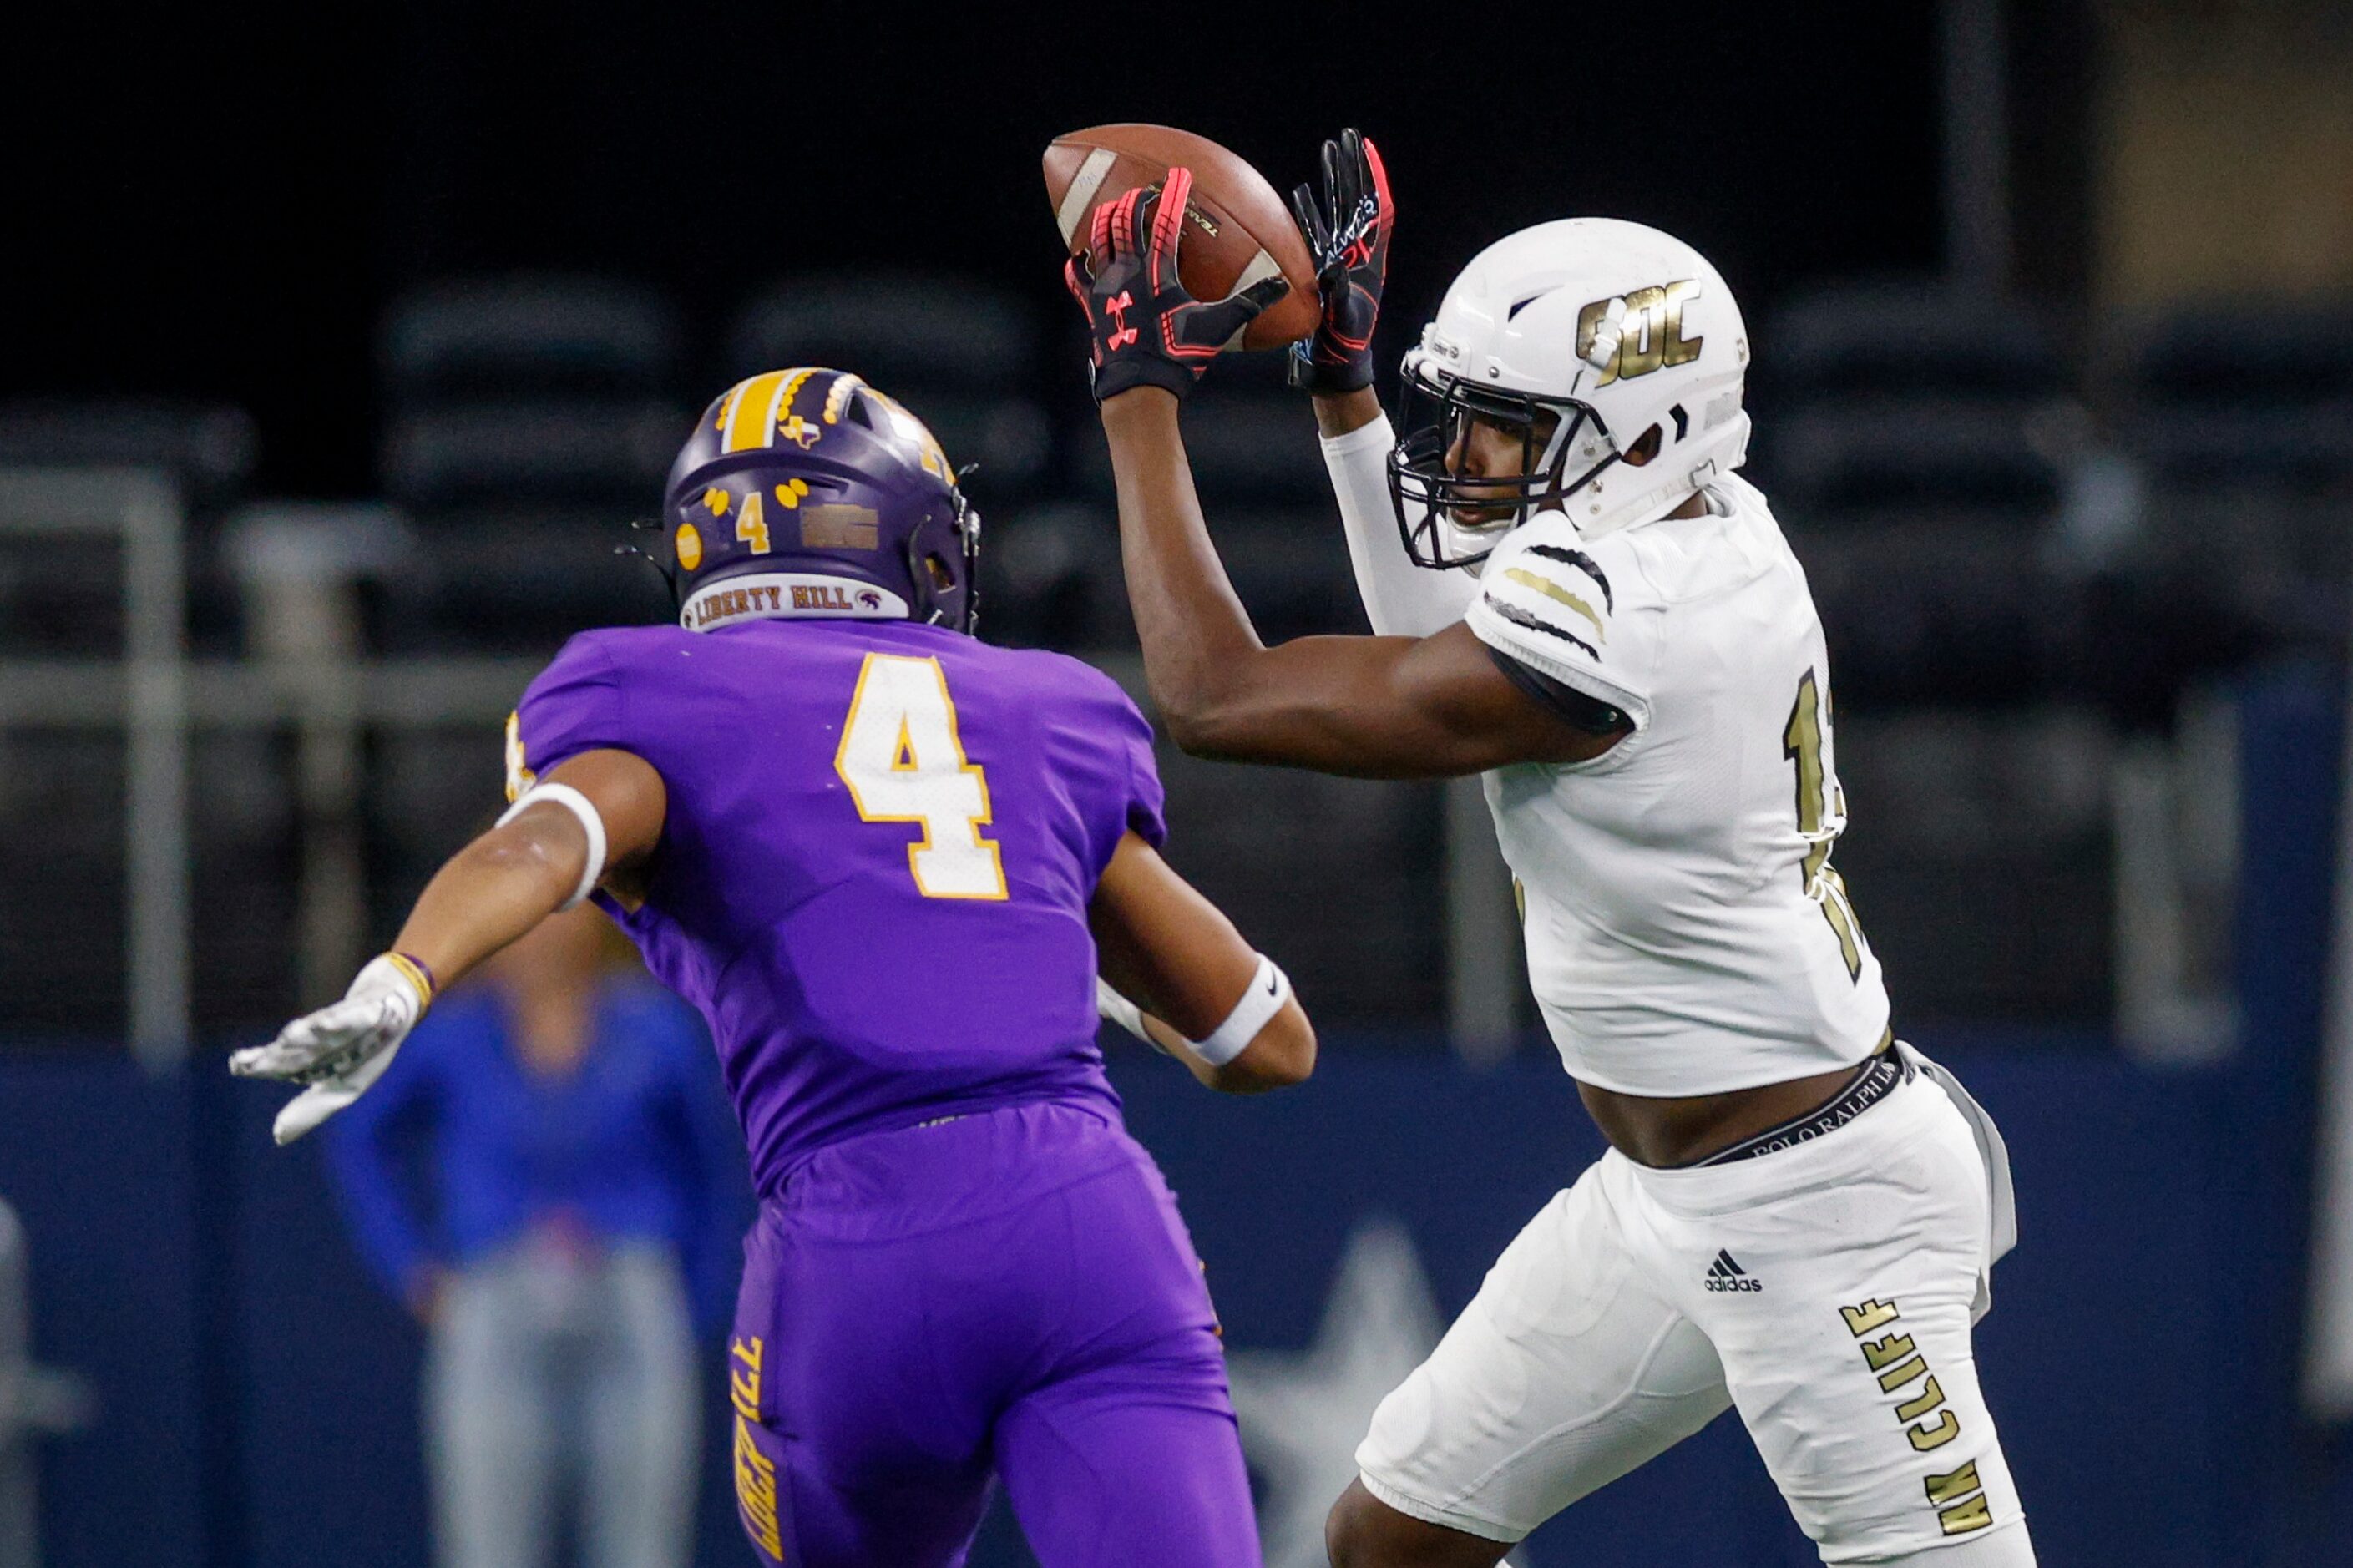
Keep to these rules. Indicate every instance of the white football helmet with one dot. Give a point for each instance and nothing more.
(1582, 334)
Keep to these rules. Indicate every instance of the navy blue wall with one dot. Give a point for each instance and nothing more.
(258, 1394)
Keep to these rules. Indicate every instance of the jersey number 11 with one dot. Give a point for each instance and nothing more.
(1821, 816)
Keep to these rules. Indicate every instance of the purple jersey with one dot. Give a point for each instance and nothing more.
(881, 842)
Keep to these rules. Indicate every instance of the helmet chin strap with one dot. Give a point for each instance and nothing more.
(1556, 459)
(1644, 506)
(1556, 450)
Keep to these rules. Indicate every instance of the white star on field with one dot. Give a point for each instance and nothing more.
(1302, 1413)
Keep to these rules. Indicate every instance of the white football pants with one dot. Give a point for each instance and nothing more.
(1825, 1290)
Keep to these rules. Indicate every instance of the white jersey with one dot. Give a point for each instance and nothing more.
(1686, 933)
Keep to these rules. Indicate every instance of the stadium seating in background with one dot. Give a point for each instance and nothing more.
(515, 337)
(1279, 849)
(527, 421)
(960, 354)
(1919, 446)
(1911, 400)
(965, 359)
(425, 792)
(1050, 577)
(208, 448)
(61, 789)
(1979, 860)
(2238, 414)
(1912, 440)
(2239, 391)
(1345, 879)
(1263, 490)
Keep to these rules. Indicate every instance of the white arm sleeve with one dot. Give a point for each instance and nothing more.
(1401, 599)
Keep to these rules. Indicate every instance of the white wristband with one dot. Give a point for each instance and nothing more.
(1270, 988)
(578, 804)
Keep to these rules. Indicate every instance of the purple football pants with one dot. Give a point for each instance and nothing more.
(1008, 1292)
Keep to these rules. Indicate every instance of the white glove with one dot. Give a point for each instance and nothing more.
(339, 1050)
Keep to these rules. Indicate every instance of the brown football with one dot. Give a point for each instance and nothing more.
(1239, 231)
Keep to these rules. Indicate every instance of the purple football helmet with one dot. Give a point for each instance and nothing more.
(805, 492)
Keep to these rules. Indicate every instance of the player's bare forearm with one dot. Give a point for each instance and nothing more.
(1198, 639)
(1341, 414)
(1218, 688)
(1178, 957)
(1371, 707)
(514, 876)
(494, 890)
(1283, 1055)
(1390, 708)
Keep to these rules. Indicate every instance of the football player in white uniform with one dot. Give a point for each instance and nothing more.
(1577, 599)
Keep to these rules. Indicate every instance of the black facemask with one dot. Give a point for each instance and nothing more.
(1426, 494)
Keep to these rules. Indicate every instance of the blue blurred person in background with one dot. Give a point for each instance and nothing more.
(586, 1184)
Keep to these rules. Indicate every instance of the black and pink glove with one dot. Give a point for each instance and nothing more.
(1347, 233)
(1147, 331)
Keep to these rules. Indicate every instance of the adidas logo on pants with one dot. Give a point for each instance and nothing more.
(1724, 1274)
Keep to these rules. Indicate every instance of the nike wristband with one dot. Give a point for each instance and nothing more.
(1270, 988)
(578, 804)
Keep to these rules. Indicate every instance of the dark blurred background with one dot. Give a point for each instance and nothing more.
(341, 347)
(464, 270)
(225, 210)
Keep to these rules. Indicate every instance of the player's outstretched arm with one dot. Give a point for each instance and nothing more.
(534, 863)
(1348, 221)
(593, 819)
(1378, 707)
(1175, 954)
(1434, 707)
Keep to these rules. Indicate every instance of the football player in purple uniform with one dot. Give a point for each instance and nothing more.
(886, 862)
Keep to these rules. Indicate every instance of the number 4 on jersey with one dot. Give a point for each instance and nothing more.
(1821, 817)
(902, 760)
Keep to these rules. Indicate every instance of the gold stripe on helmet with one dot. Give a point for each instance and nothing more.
(749, 414)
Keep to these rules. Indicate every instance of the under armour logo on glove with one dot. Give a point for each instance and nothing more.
(1119, 308)
(1130, 268)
